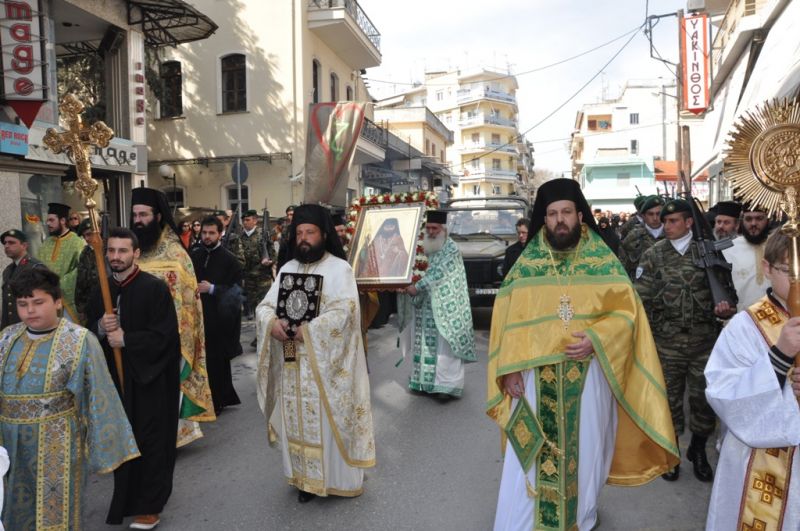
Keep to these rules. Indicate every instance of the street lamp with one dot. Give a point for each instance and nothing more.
(168, 174)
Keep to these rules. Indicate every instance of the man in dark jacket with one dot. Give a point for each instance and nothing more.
(513, 251)
(15, 245)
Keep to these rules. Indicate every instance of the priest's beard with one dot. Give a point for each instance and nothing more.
(55, 232)
(433, 244)
(756, 239)
(308, 254)
(564, 241)
(148, 235)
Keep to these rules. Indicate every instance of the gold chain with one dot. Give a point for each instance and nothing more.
(565, 310)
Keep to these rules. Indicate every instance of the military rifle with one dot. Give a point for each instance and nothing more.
(266, 241)
(233, 228)
(707, 252)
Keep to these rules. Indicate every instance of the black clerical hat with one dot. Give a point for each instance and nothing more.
(559, 190)
(436, 216)
(338, 219)
(59, 209)
(729, 208)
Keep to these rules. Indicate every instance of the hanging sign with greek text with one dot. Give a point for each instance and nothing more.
(695, 61)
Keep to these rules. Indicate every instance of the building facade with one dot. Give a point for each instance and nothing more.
(480, 107)
(621, 147)
(753, 59)
(243, 97)
(97, 51)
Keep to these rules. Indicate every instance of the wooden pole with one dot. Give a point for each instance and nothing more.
(76, 141)
(680, 154)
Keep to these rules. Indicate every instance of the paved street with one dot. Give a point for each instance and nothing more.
(438, 466)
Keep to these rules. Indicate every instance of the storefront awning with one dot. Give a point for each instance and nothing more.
(169, 22)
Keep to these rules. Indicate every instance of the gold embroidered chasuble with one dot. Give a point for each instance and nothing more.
(769, 470)
(60, 419)
(170, 262)
(61, 256)
(542, 302)
(326, 388)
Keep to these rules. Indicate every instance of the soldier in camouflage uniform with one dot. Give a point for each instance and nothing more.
(678, 301)
(633, 220)
(257, 266)
(87, 273)
(643, 235)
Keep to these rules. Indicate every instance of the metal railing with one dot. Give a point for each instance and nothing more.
(375, 133)
(503, 148)
(480, 118)
(356, 13)
(484, 91)
(736, 11)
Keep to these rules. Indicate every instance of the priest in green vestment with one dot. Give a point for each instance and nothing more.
(574, 381)
(60, 253)
(60, 415)
(441, 326)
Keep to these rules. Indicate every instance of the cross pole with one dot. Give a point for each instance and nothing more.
(76, 142)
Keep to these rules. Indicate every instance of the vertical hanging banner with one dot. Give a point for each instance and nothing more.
(333, 131)
(23, 69)
(695, 61)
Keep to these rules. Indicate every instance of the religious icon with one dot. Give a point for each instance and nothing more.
(384, 245)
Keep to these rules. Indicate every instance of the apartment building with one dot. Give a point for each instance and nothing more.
(754, 50)
(95, 50)
(480, 107)
(243, 97)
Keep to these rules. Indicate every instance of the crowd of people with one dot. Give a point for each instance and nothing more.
(594, 343)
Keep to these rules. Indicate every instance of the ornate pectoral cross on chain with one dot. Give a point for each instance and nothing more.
(76, 141)
(565, 310)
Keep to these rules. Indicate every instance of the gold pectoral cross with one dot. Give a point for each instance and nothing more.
(565, 310)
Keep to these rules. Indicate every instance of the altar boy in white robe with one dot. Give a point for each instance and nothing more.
(754, 390)
(316, 402)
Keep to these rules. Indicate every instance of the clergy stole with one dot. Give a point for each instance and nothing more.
(769, 469)
(558, 399)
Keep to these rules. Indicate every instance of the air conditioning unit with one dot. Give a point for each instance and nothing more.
(695, 5)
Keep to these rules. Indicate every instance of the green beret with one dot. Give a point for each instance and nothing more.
(14, 233)
(674, 206)
(249, 213)
(651, 201)
(637, 202)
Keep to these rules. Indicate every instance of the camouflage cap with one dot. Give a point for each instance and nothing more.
(14, 233)
(674, 206)
(651, 201)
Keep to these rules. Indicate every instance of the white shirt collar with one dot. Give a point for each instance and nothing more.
(682, 244)
(655, 233)
(250, 232)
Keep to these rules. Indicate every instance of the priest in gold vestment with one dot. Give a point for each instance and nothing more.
(164, 256)
(317, 404)
(569, 334)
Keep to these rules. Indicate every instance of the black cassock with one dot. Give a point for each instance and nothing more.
(151, 367)
(221, 317)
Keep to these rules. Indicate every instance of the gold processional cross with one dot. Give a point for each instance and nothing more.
(76, 142)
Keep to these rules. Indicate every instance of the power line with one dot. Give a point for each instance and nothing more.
(506, 76)
(607, 133)
(561, 106)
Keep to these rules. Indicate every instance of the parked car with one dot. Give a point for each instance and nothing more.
(483, 227)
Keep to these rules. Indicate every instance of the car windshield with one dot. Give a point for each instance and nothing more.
(498, 222)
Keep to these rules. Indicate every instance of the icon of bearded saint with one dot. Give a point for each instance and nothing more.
(385, 255)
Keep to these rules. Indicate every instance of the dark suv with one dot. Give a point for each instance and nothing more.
(483, 227)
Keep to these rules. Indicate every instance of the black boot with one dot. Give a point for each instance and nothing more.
(673, 474)
(697, 455)
(305, 497)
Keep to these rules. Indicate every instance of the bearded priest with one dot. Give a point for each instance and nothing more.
(572, 356)
(441, 322)
(312, 381)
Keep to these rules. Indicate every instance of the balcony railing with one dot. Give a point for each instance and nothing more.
(483, 146)
(482, 172)
(355, 11)
(375, 133)
(484, 91)
(480, 118)
(737, 10)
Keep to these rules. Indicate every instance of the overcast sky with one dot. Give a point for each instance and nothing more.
(420, 35)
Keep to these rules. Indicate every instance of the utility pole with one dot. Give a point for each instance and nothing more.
(679, 154)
